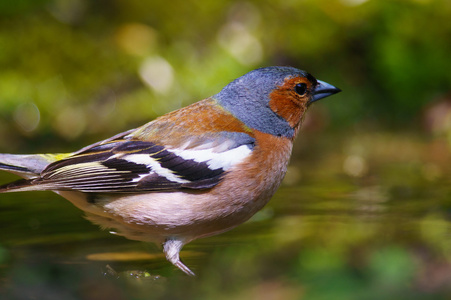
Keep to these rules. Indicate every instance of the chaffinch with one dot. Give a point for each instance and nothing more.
(192, 173)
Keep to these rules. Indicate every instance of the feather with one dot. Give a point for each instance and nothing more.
(133, 166)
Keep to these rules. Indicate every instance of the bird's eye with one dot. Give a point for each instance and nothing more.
(301, 88)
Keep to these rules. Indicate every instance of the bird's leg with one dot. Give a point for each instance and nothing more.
(171, 248)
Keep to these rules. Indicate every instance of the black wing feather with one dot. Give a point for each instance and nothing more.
(104, 167)
(99, 169)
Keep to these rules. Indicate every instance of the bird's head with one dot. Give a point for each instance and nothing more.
(273, 99)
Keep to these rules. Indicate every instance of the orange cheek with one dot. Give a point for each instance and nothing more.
(286, 105)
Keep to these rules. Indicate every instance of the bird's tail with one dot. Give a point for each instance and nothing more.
(28, 166)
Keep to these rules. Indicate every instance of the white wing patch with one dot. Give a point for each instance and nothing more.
(145, 159)
(215, 160)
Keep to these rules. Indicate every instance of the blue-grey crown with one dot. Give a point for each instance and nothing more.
(247, 98)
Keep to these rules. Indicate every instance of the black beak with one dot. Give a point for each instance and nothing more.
(322, 90)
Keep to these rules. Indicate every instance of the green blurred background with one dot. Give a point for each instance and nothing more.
(364, 210)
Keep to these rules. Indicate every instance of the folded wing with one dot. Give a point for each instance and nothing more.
(131, 166)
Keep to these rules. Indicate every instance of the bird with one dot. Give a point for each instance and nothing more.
(192, 173)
